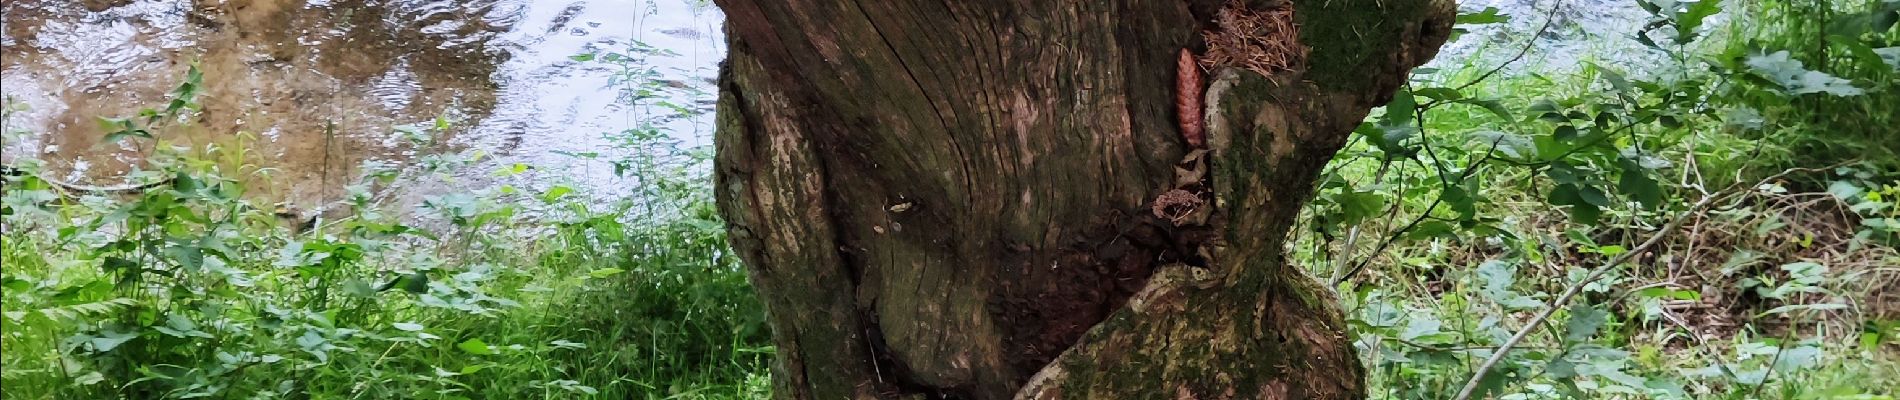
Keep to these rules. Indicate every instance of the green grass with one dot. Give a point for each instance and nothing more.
(195, 290)
(228, 303)
(1777, 294)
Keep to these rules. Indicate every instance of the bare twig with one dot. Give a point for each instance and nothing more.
(1471, 386)
(1521, 52)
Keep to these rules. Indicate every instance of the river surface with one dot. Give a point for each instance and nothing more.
(315, 89)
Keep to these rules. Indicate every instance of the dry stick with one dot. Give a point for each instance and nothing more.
(1471, 386)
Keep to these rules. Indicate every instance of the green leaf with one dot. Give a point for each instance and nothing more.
(1494, 105)
(1802, 307)
(1615, 79)
(605, 272)
(1586, 214)
(1440, 93)
(1400, 110)
(407, 326)
(417, 283)
(555, 193)
(111, 339)
(1584, 322)
(1564, 133)
(1512, 146)
(89, 378)
(1864, 54)
(1669, 293)
(1489, 15)
(1688, 23)
(1594, 196)
(1779, 67)
(584, 57)
(476, 347)
(1431, 229)
(1637, 185)
(1498, 277)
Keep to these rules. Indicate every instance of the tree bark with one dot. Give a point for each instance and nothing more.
(994, 199)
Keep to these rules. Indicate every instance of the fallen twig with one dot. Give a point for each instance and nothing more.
(1477, 376)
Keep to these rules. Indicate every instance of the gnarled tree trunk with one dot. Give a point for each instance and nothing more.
(990, 199)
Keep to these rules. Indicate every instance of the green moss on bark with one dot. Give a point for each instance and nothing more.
(1348, 38)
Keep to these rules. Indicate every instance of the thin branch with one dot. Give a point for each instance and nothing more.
(1521, 52)
(1471, 386)
(1427, 214)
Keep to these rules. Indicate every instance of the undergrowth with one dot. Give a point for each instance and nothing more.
(195, 288)
(1477, 198)
(1457, 215)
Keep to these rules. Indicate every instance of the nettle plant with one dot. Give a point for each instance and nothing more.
(1624, 158)
(187, 288)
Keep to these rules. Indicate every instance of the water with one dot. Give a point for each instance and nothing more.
(314, 88)
(317, 87)
(1601, 31)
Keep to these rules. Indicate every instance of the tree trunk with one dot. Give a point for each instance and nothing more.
(1001, 199)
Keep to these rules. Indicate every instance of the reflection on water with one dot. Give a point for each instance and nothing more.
(320, 84)
(509, 72)
(1580, 30)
